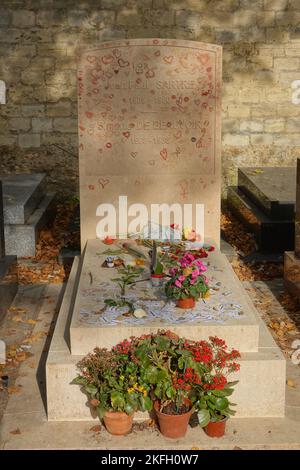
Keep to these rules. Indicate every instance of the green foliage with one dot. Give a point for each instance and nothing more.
(112, 381)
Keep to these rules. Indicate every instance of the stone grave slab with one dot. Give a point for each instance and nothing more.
(22, 192)
(297, 214)
(20, 239)
(291, 258)
(149, 116)
(272, 235)
(8, 271)
(2, 242)
(225, 313)
(273, 189)
(261, 379)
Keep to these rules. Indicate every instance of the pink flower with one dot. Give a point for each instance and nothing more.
(177, 283)
(173, 271)
(195, 273)
(192, 281)
(205, 280)
(181, 278)
(201, 266)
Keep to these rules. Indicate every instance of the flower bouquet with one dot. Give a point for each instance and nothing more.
(187, 281)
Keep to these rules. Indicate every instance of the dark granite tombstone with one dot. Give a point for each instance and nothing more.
(297, 213)
(272, 189)
(264, 202)
(271, 235)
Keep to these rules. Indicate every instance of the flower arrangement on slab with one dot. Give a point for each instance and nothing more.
(187, 282)
(113, 384)
(174, 375)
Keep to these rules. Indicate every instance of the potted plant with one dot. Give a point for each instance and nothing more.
(187, 281)
(156, 266)
(167, 367)
(110, 379)
(211, 396)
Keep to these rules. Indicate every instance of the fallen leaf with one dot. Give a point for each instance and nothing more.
(14, 389)
(96, 428)
(291, 383)
(15, 432)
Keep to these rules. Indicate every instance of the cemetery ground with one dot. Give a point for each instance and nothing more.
(29, 324)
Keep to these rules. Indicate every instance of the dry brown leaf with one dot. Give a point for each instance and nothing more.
(15, 431)
(14, 389)
(96, 428)
(291, 383)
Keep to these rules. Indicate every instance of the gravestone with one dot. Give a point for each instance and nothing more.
(149, 116)
(149, 128)
(2, 244)
(292, 258)
(264, 202)
(8, 268)
(27, 207)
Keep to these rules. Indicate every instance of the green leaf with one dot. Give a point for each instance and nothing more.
(226, 392)
(79, 380)
(151, 375)
(171, 393)
(100, 411)
(146, 403)
(232, 384)
(162, 342)
(91, 389)
(221, 403)
(117, 400)
(204, 418)
(129, 409)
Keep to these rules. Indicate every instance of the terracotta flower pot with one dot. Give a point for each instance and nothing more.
(216, 428)
(118, 423)
(173, 426)
(186, 303)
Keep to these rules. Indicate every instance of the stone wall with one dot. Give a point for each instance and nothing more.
(38, 45)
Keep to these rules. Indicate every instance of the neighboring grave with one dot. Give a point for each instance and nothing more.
(264, 201)
(8, 271)
(150, 128)
(26, 207)
(292, 258)
(2, 244)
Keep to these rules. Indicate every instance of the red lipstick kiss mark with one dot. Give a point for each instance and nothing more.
(91, 187)
(168, 59)
(150, 73)
(126, 134)
(91, 59)
(178, 135)
(164, 154)
(89, 115)
(203, 58)
(107, 59)
(123, 63)
(103, 182)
